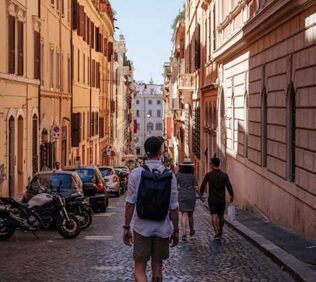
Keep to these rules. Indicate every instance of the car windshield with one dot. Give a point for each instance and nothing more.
(106, 171)
(86, 175)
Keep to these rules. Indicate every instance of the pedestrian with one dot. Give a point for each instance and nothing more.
(152, 229)
(217, 180)
(57, 166)
(187, 187)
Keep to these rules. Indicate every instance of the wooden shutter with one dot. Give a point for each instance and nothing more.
(96, 123)
(20, 48)
(37, 51)
(98, 75)
(197, 49)
(74, 14)
(101, 127)
(97, 37)
(182, 48)
(11, 39)
(84, 27)
(92, 124)
(92, 35)
(81, 21)
(101, 43)
(75, 129)
(105, 47)
(110, 50)
(93, 73)
(88, 30)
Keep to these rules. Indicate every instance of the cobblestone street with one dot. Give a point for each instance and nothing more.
(99, 255)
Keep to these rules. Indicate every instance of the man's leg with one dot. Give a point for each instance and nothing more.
(157, 270)
(221, 224)
(215, 223)
(140, 272)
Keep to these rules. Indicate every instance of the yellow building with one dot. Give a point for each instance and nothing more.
(19, 91)
(55, 97)
(92, 50)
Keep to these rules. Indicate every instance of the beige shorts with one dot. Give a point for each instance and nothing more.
(152, 247)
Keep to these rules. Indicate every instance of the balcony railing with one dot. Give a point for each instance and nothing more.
(186, 82)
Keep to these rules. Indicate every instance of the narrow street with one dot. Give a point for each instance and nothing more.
(99, 255)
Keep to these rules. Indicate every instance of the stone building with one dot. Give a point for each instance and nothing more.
(148, 114)
(19, 94)
(253, 70)
(92, 65)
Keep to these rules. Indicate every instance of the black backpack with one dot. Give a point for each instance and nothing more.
(154, 192)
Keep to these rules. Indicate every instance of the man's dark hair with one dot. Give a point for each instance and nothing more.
(152, 146)
(187, 169)
(215, 161)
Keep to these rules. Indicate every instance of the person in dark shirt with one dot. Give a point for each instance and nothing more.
(217, 180)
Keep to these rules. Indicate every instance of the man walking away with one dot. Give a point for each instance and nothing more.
(217, 180)
(152, 224)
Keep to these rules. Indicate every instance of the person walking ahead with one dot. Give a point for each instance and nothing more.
(217, 180)
(152, 226)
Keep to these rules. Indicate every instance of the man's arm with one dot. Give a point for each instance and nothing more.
(174, 216)
(202, 189)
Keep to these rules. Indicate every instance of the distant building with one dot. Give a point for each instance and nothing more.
(148, 113)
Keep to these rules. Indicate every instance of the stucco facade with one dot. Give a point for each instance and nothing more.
(19, 92)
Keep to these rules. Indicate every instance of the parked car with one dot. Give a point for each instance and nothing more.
(123, 168)
(112, 181)
(93, 186)
(69, 182)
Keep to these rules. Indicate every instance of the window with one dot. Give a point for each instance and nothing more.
(159, 126)
(34, 144)
(150, 126)
(51, 72)
(264, 140)
(58, 70)
(42, 64)
(93, 73)
(61, 72)
(150, 102)
(158, 113)
(291, 125)
(137, 102)
(150, 113)
(84, 126)
(137, 113)
(88, 63)
(78, 66)
(20, 48)
(158, 102)
(11, 39)
(37, 47)
(97, 71)
(84, 68)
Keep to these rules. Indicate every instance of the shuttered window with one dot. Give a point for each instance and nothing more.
(81, 27)
(84, 26)
(101, 127)
(93, 74)
(97, 37)
(58, 71)
(97, 75)
(88, 63)
(105, 47)
(84, 68)
(88, 30)
(20, 48)
(42, 64)
(61, 72)
(75, 129)
(92, 39)
(197, 54)
(110, 51)
(96, 121)
(11, 38)
(74, 14)
(92, 124)
(51, 72)
(78, 66)
(37, 55)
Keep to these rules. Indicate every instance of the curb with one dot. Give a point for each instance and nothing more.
(298, 269)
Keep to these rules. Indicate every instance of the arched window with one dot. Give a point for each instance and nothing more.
(264, 139)
(291, 125)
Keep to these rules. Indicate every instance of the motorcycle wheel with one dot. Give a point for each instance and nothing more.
(69, 229)
(5, 230)
(87, 219)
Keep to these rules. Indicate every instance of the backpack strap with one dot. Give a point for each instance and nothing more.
(146, 168)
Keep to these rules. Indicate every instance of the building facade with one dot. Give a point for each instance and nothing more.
(92, 66)
(251, 67)
(148, 113)
(19, 95)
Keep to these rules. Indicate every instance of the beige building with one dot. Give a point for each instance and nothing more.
(92, 39)
(122, 130)
(55, 94)
(249, 70)
(19, 92)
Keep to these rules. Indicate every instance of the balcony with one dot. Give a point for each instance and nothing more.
(186, 82)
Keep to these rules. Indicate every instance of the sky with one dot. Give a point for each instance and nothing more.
(146, 25)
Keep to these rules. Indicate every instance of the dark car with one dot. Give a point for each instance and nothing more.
(93, 186)
(48, 181)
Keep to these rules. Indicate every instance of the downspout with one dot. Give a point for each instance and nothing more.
(40, 75)
(60, 86)
(70, 75)
(90, 104)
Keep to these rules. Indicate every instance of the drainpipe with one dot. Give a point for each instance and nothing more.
(90, 105)
(60, 81)
(70, 75)
(39, 93)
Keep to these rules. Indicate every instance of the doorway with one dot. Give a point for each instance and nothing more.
(20, 154)
(11, 157)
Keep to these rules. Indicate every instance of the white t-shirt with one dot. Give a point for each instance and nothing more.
(146, 227)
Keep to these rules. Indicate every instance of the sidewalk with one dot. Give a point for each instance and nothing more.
(290, 250)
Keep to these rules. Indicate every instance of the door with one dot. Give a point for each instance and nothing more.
(11, 157)
(20, 154)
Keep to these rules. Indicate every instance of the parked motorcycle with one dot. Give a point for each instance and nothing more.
(40, 212)
(123, 177)
(77, 205)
